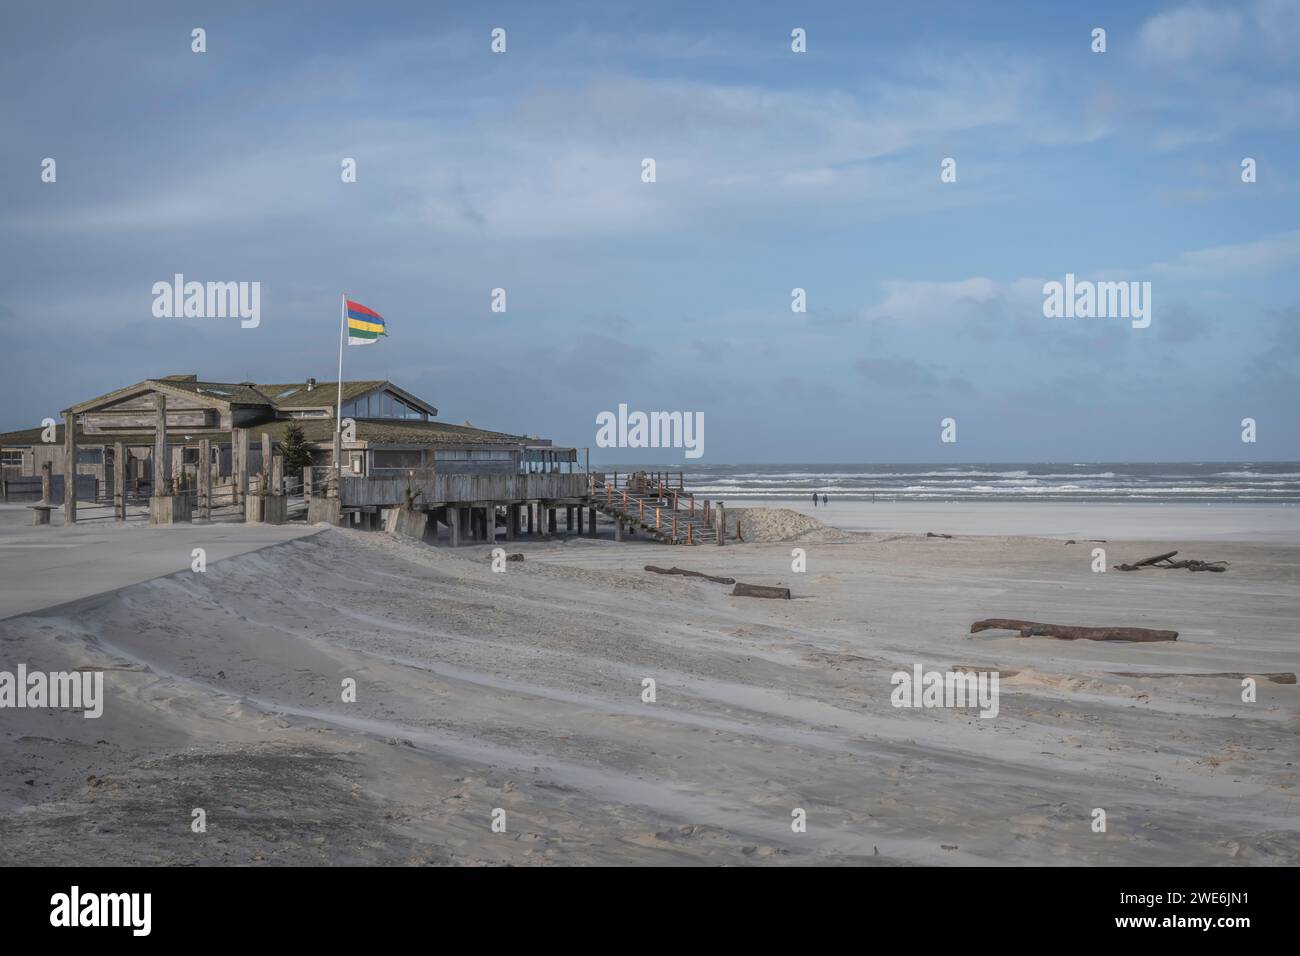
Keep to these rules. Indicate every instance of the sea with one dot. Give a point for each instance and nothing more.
(1238, 482)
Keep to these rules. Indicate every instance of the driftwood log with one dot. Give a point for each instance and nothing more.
(1276, 677)
(1069, 633)
(690, 574)
(517, 556)
(760, 591)
(1166, 561)
(931, 534)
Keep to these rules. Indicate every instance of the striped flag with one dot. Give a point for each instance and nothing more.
(365, 326)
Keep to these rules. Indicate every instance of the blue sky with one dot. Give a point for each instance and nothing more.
(775, 170)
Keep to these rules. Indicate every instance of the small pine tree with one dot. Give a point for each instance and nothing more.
(294, 449)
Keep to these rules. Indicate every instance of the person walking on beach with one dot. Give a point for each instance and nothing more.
(814, 499)
(825, 500)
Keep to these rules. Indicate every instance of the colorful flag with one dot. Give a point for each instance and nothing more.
(365, 326)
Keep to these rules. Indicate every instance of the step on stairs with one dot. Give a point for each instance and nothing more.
(640, 509)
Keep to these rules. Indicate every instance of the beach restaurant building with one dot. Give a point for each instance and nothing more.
(395, 432)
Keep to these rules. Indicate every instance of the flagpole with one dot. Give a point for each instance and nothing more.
(338, 411)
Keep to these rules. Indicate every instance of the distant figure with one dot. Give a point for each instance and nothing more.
(814, 499)
(825, 500)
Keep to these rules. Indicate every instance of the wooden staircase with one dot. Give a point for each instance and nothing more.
(669, 515)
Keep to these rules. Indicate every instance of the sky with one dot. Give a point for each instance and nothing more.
(774, 170)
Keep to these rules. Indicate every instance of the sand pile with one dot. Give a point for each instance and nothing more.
(781, 524)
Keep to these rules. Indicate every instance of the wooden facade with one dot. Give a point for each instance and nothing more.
(211, 442)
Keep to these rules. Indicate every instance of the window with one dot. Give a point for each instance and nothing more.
(190, 456)
(11, 459)
(90, 456)
(397, 459)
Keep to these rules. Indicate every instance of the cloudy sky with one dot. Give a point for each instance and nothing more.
(775, 170)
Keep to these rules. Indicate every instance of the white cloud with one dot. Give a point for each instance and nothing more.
(1260, 257)
(978, 297)
(1191, 32)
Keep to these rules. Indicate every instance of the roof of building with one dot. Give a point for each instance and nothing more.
(293, 395)
(297, 395)
(392, 432)
(278, 396)
(315, 431)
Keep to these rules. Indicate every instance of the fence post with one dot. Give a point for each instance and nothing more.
(205, 478)
(70, 469)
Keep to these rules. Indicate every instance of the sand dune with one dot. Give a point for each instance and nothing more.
(522, 691)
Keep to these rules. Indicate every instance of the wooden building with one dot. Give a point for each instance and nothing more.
(395, 432)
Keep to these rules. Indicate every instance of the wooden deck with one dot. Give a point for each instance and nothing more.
(436, 490)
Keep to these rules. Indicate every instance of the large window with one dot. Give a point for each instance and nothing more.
(381, 405)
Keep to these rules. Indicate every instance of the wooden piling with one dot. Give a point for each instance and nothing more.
(162, 464)
(277, 475)
(119, 481)
(239, 458)
(70, 469)
(265, 471)
(205, 478)
(591, 521)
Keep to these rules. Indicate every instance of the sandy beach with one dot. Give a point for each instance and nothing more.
(522, 691)
(1153, 521)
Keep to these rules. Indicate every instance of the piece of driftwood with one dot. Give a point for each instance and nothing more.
(1192, 565)
(1276, 677)
(1145, 561)
(760, 591)
(1166, 561)
(690, 574)
(1069, 633)
(517, 556)
(931, 534)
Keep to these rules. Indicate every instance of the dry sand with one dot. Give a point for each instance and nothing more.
(522, 691)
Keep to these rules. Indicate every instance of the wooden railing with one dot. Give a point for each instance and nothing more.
(433, 488)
